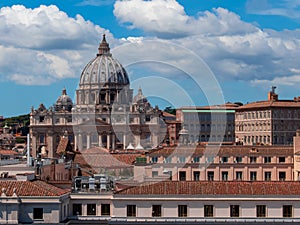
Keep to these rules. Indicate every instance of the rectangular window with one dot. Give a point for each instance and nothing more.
(287, 211)
(209, 159)
(131, 210)
(105, 209)
(196, 175)
(182, 175)
(208, 210)
(224, 175)
(148, 119)
(224, 159)
(282, 176)
(210, 175)
(42, 119)
(239, 175)
(154, 173)
(38, 213)
(253, 176)
(281, 159)
(168, 159)
(196, 159)
(102, 97)
(238, 159)
(77, 209)
(234, 210)
(267, 159)
(154, 159)
(181, 159)
(252, 159)
(91, 209)
(182, 211)
(261, 211)
(42, 138)
(268, 176)
(156, 211)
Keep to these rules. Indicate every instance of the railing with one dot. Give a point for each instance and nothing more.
(9, 162)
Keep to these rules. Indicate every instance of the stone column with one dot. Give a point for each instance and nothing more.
(124, 141)
(113, 142)
(137, 139)
(154, 140)
(50, 144)
(100, 141)
(108, 141)
(34, 145)
(79, 142)
(75, 142)
(88, 140)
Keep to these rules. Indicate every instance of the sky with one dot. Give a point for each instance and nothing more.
(180, 52)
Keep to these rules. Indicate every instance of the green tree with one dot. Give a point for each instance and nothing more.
(170, 110)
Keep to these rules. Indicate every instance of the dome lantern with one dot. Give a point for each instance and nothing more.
(104, 47)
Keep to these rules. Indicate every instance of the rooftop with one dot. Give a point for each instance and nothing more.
(30, 188)
(236, 150)
(232, 188)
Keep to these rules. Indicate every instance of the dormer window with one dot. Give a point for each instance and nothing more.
(42, 119)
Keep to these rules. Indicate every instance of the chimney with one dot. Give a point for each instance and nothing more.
(272, 96)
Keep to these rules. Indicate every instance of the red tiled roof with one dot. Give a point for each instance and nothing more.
(97, 158)
(8, 152)
(225, 150)
(62, 146)
(270, 104)
(128, 158)
(215, 188)
(31, 188)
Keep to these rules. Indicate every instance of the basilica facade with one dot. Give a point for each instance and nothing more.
(106, 114)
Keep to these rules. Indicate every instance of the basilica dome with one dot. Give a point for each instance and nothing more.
(103, 69)
(63, 102)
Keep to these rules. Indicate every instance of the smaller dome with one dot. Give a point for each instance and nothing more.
(63, 102)
(139, 98)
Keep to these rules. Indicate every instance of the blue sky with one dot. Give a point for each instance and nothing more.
(180, 52)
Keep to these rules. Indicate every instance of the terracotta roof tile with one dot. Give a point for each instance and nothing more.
(236, 150)
(31, 188)
(62, 146)
(267, 104)
(98, 158)
(128, 158)
(215, 188)
(8, 152)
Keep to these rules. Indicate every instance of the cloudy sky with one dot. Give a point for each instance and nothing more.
(180, 52)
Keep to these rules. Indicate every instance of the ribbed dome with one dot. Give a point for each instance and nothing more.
(104, 69)
(63, 102)
(139, 98)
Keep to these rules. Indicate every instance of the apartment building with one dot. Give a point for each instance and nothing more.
(189, 202)
(218, 163)
(208, 123)
(32, 202)
(269, 122)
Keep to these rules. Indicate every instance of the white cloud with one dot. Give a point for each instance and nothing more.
(285, 8)
(45, 27)
(167, 19)
(233, 49)
(285, 80)
(42, 45)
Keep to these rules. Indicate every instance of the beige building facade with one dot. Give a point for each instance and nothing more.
(218, 163)
(270, 122)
